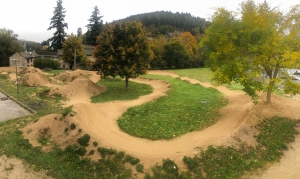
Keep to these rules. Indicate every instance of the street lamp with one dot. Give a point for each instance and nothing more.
(15, 60)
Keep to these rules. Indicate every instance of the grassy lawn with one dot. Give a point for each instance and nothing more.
(116, 90)
(179, 112)
(204, 75)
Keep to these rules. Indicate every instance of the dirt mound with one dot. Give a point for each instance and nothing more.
(79, 90)
(33, 77)
(70, 76)
(55, 127)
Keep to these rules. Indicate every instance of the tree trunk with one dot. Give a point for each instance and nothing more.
(269, 93)
(126, 79)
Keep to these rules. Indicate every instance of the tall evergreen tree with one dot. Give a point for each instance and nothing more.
(57, 21)
(94, 27)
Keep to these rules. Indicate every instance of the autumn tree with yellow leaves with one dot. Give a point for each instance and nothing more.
(123, 49)
(254, 46)
(69, 46)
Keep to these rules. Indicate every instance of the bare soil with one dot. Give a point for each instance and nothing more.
(100, 122)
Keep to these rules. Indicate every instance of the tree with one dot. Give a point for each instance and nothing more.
(254, 47)
(175, 55)
(57, 22)
(69, 46)
(8, 45)
(189, 42)
(157, 48)
(94, 27)
(123, 50)
(79, 32)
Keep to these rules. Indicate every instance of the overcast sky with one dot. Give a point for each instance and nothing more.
(30, 19)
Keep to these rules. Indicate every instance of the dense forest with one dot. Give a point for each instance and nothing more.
(163, 22)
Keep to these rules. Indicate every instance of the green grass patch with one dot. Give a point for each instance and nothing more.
(201, 74)
(116, 90)
(204, 75)
(187, 107)
(227, 162)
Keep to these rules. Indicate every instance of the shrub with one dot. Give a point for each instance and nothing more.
(47, 63)
(132, 160)
(140, 168)
(84, 140)
(73, 126)
(95, 144)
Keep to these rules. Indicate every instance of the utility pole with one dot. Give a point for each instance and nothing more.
(75, 58)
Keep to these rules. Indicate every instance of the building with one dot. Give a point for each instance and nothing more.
(24, 59)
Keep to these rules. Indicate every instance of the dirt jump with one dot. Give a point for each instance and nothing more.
(100, 122)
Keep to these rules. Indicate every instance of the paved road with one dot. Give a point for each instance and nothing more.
(10, 109)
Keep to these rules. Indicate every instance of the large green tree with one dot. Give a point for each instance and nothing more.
(94, 27)
(57, 22)
(254, 46)
(72, 42)
(8, 45)
(123, 50)
(176, 55)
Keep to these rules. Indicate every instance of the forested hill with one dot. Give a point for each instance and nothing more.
(162, 22)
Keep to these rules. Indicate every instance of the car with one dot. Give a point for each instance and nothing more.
(294, 77)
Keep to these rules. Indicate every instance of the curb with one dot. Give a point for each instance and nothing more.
(21, 104)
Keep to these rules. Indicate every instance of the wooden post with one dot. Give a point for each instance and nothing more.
(74, 58)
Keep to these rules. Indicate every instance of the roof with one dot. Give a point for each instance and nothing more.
(88, 52)
(28, 54)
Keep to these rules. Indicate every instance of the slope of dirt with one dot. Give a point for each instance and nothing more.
(13, 168)
(78, 91)
(69, 76)
(33, 77)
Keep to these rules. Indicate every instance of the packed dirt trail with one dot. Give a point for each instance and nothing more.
(100, 120)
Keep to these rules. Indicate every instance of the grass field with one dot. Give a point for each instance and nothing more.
(179, 112)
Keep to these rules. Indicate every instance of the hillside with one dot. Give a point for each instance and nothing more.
(163, 22)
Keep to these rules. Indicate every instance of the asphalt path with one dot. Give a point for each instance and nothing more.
(10, 109)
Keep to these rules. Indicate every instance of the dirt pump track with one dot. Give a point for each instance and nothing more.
(100, 122)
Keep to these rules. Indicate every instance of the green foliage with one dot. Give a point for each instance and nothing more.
(132, 160)
(115, 90)
(73, 126)
(94, 27)
(105, 151)
(8, 45)
(44, 139)
(140, 168)
(84, 140)
(232, 162)
(123, 50)
(179, 112)
(67, 111)
(46, 63)
(175, 55)
(251, 47)
(164, 22)
(95, 144)
(69, 46)
(169, 170)
(57, 22)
